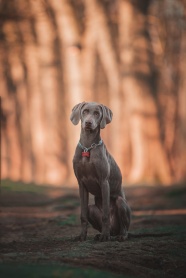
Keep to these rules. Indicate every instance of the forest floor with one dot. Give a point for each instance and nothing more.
(39, 224)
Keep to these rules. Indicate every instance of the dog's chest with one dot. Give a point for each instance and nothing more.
(87, 174)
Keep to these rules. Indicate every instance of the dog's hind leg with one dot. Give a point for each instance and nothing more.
(124, 216)
(95, 217)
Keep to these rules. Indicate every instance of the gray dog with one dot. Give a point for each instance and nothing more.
(97, 173)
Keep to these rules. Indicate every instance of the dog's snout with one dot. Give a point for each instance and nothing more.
(88, 123)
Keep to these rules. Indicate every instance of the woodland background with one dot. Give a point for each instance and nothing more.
(128, 55)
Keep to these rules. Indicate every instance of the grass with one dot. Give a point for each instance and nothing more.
(37, 195)
(177, 192)
(175, 230)
(52, 271)
(9, 186)
(71, 220)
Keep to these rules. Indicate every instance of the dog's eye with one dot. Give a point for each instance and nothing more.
(96, 113)
(85, 111)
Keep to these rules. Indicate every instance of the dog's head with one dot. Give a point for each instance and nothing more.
(91, 114)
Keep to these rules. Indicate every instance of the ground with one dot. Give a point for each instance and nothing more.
(39, 224)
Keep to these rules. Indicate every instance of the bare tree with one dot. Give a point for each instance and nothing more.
(70, 39)
(148, 156)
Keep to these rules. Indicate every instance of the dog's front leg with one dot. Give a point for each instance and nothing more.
(105, 233)
(84, 211)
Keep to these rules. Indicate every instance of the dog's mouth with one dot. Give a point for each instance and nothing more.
(88, 127)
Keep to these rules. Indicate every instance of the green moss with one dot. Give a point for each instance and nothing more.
(177, 192)
(52, 271)
(10, 186)
(71, 220)
(174, 230)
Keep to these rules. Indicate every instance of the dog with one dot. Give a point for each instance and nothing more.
(97, 173)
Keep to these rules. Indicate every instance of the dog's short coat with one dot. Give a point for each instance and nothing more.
(97, 173)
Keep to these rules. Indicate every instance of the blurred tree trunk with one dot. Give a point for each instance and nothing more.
(149, 161)
(11, 129)
(4, 163)
(107, 54)
(35, 104)
(31, 104)
(4, 150)
(17, 73)
(69, 35)
(11, 135)
(181, 125)
(168, 39)
(54, 170)
(89, 56)
(21, 103)
(170, 31)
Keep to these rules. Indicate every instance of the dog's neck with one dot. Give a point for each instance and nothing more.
(88, 137)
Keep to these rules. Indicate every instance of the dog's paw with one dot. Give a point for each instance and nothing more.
(122, 237)
(81, 237)
(102, 237)
(97, 237)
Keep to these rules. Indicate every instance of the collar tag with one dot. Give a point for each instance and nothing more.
(86, 151)
(86, 154)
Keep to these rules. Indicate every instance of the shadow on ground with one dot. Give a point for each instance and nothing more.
(39, 224)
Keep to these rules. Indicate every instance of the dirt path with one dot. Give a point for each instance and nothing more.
(38, 226)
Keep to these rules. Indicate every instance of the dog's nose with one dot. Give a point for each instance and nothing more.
(88, 122)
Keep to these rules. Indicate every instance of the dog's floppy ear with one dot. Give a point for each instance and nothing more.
(76, 113)
(107, 116)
